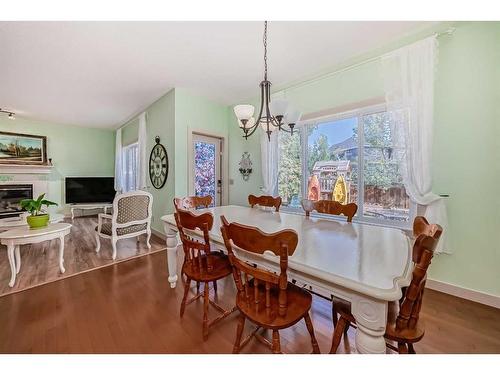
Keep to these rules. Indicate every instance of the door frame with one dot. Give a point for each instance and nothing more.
(224, 168)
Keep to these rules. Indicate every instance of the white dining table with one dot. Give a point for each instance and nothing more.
(366, 265)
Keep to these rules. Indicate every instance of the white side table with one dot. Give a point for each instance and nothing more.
(14, 238)
(90, 206)
(17, 222)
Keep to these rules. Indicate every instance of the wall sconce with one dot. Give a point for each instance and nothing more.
(245, 166)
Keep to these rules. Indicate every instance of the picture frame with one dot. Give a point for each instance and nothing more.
(23, 149)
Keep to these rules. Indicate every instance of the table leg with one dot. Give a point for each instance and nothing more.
(18, 258)
(171, 255)
(12, 263)
(61, 254)
(371, 319)
(72, 213)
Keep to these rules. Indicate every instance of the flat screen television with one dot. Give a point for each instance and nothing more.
(90, 189)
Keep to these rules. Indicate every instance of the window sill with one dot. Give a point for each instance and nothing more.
(379, 223)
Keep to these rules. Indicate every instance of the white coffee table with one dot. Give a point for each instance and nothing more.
(16, 222)
(14, 238)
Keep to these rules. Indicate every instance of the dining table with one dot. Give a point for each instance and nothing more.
(364, 264)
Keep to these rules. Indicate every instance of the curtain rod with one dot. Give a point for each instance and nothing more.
(448, 31)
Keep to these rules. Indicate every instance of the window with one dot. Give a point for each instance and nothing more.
(346, 158)
(130, 166)
(290, 169)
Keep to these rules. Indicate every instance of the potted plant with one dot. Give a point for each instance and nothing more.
(37, 218)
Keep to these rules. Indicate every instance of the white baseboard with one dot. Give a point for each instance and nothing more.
(158, 233)
(470, 294)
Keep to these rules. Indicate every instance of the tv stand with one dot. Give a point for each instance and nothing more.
(90, 206)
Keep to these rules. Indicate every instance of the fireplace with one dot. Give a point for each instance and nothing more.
(10, 196)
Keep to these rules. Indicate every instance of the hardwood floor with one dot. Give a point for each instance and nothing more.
(130, 308)
(39, 262)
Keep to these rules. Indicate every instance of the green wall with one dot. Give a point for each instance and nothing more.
(160, 118)
(130, 132)
(194, 113)
(75, 151)
(467, 97)
(172, 117)
(239, 190)
(466, 144)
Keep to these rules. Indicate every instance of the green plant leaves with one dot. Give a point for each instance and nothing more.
(35, 206)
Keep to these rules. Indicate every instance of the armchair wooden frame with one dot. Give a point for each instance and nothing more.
(115, 225)
(265, 201)
(265, 298)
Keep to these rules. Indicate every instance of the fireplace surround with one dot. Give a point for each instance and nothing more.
(10, 197)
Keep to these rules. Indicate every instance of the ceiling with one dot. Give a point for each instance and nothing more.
(99, 74)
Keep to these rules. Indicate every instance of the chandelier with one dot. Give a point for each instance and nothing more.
(275, 114)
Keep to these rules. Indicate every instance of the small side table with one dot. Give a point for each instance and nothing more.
(14, 238)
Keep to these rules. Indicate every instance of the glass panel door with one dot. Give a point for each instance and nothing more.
(206, 167)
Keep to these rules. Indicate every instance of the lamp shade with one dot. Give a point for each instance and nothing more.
(244, 111)
(279, 107)
(293, 116)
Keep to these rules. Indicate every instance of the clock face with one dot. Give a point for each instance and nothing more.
(158, 166)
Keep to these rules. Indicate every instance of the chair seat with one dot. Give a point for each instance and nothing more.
(412, 335)
(106, 229)
(298, 304)
(221, 267)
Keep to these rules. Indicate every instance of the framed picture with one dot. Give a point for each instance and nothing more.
(23, 149)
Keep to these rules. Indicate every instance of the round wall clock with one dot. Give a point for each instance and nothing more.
(158, 165)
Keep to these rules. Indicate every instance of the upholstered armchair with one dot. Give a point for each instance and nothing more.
(131, 217)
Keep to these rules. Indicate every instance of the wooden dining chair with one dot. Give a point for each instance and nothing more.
(201, 264)
(187, 203)
(403, 323)
(265, 298)
(265, 201)
(330, 208)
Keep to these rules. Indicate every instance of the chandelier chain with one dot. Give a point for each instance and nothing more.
(265, 50)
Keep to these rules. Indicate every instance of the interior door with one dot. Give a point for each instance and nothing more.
(206, 167)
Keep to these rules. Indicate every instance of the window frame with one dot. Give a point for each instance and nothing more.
(357, 113)
(124, 159)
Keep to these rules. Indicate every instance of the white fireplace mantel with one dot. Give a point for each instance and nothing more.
(25, 169)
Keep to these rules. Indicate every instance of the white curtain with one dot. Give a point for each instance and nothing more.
(409, 93)
(142, 147)
(119, 186)
(269, 160)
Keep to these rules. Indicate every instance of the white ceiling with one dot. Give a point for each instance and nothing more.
(99, 74)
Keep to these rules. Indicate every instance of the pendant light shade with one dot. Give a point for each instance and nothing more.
(293, 116)
(279, 107)
(244, 111)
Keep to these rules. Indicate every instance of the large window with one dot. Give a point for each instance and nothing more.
(346, 158)
(130, 166)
